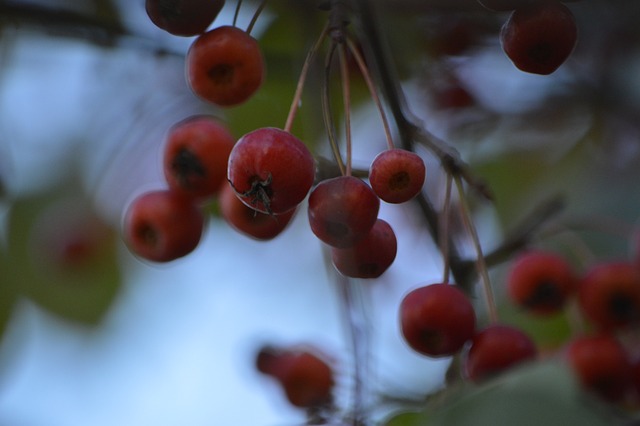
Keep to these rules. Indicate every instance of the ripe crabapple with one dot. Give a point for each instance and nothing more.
(342, 211)
(541, 282)
(252, 223)
(437, 320)
(538, 39)
(397, 175)
(495, 349)
(271, 170)
(195, 156)
(609, 295)
(306, 378)
(162, 226)
(371, 256)
(183, 17)
(602, 365)
(225, 66)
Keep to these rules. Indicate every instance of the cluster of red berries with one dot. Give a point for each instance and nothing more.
(539, 35)
(439, 320)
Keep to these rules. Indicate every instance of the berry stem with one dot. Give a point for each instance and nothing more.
(481, 265)
(364, 70)
(295, 103)
(444, 230)
(346, 96)
(236, 13)
(256, 15)
(326, 111)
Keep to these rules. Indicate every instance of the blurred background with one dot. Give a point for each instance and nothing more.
(92, 335)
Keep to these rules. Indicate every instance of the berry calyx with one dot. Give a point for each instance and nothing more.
(609, 295)
(371, 256)
(602, 366)
(541, 282)
(397, 175)
(437, 320)
(162, 226)
(342, 211)
(196, 155)
(495, 349)
(539, 38)
(183, 17)
(306, 378)
(247, 221)
(225, 66)
(271, 170)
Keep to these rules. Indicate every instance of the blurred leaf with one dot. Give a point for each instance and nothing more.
(62, 256)
(539, 394)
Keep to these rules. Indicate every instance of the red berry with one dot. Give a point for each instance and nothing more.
(437, 320)
(306, 378)
(271, 170)
(371, 256)
(162, 226)
(397, 175)
(541, 282)
(601, 365)
(609, 295)
(496, 349)
(244, 219)
(196, 156)
(183, 17)
(538, 39)
(225, 66)
(342, 211)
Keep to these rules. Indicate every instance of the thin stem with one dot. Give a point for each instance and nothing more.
(480, 262)
(256, 14)
(295, 103)
(326, 111)
(444, 231)
(346, 96)
(364, 70)
(236, 13)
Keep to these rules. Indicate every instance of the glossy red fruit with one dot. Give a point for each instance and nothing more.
(271, 170)
(371, 256)
(306, 378)
(183, 17)
(397, 175)
(342, 211)
(538, 39)
(609, 295)
(437, 320)
(162, 226)
(541, 282)
(195, 156)
(602, 366)
(225, 66)
(495, 349)
(247, 221)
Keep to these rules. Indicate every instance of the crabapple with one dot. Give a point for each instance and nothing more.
(195, 156)
(342, 211)
(541, 282)
(437, 320)
(162, 226)
(271, 170)
(539, 38)
(225, 66)
(183, 17)
(397, 175)
(495, 349)
(371, 256)
(244, 219)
